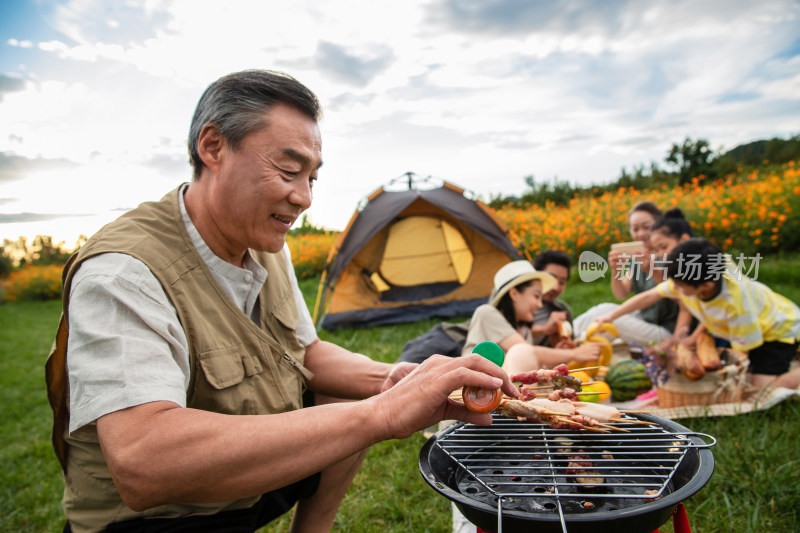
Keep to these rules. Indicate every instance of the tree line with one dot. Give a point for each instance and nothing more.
(42, 251)
(691, 159)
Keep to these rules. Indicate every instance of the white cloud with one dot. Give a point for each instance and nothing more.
(481, 93)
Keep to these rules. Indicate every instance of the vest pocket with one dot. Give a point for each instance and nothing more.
(287, 314)
(225, 367)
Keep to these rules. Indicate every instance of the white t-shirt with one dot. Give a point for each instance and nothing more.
(126, 345)
(489, 324)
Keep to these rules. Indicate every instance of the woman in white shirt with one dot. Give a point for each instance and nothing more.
(506, 319)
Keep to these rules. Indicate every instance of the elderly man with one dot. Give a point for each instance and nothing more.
(185, 348)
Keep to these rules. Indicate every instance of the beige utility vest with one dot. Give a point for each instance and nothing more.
(237, 367)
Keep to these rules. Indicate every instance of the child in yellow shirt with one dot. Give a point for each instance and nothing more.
(729, 305)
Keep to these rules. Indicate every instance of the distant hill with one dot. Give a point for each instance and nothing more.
(686, 161)
(773, 150)
(753, 150)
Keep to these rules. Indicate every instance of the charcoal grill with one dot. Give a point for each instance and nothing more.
(512, 475)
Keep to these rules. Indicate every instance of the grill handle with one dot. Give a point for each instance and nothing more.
(706, 437)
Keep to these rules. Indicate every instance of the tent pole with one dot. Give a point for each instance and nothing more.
(318, 303)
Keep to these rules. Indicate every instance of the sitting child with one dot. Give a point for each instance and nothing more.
(729, 305)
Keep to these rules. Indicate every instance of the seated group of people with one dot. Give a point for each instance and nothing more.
(683, 286)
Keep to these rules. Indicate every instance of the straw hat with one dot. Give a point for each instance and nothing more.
(513, 274)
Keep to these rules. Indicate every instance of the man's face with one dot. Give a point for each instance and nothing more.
(264, 185)
(561, 274)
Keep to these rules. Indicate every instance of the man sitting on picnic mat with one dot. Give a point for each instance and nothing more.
(730, 306)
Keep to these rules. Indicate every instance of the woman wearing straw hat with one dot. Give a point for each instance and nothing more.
(506, 320)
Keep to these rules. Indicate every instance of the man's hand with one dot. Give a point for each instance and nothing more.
(421, 398)
(398, 372)
(553, 324)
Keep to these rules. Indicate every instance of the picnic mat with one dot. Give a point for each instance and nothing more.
(759, 401)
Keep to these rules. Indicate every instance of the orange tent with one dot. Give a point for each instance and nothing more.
(420, 252)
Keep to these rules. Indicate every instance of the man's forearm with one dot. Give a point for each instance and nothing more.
(187, 455)
(178, 454)
(342, 373)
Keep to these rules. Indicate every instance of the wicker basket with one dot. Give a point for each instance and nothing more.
(668, 398)
(726, 385)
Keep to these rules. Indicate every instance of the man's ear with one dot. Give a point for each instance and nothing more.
(210, 144)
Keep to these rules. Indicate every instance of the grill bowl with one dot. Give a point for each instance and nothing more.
(446, 475)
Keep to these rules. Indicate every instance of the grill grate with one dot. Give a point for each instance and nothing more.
(525, 465)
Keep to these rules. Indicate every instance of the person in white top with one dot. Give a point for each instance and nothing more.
(129, 365)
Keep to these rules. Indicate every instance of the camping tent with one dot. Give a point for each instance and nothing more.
(425, 251)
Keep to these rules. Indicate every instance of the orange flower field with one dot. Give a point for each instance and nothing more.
(32, 283)
(309, 252)
(745, 214)
(750, 213)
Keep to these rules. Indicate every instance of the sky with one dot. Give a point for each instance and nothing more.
(96, 96)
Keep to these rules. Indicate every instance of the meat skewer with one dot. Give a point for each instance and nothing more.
(605, 413)
(544, 411)
(567, 393)
(597, 411)
(544, 375)
(559, 382)
(591, 414)
(562, 407)
(558, 414)
(589, 421)
(513, 409)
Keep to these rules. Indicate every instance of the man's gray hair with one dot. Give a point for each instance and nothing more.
(236, 103)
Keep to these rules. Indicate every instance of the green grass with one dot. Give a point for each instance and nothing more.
(755, 486)
(30, 476)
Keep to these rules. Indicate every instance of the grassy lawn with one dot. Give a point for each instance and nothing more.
(755, 486)
(30, 477)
